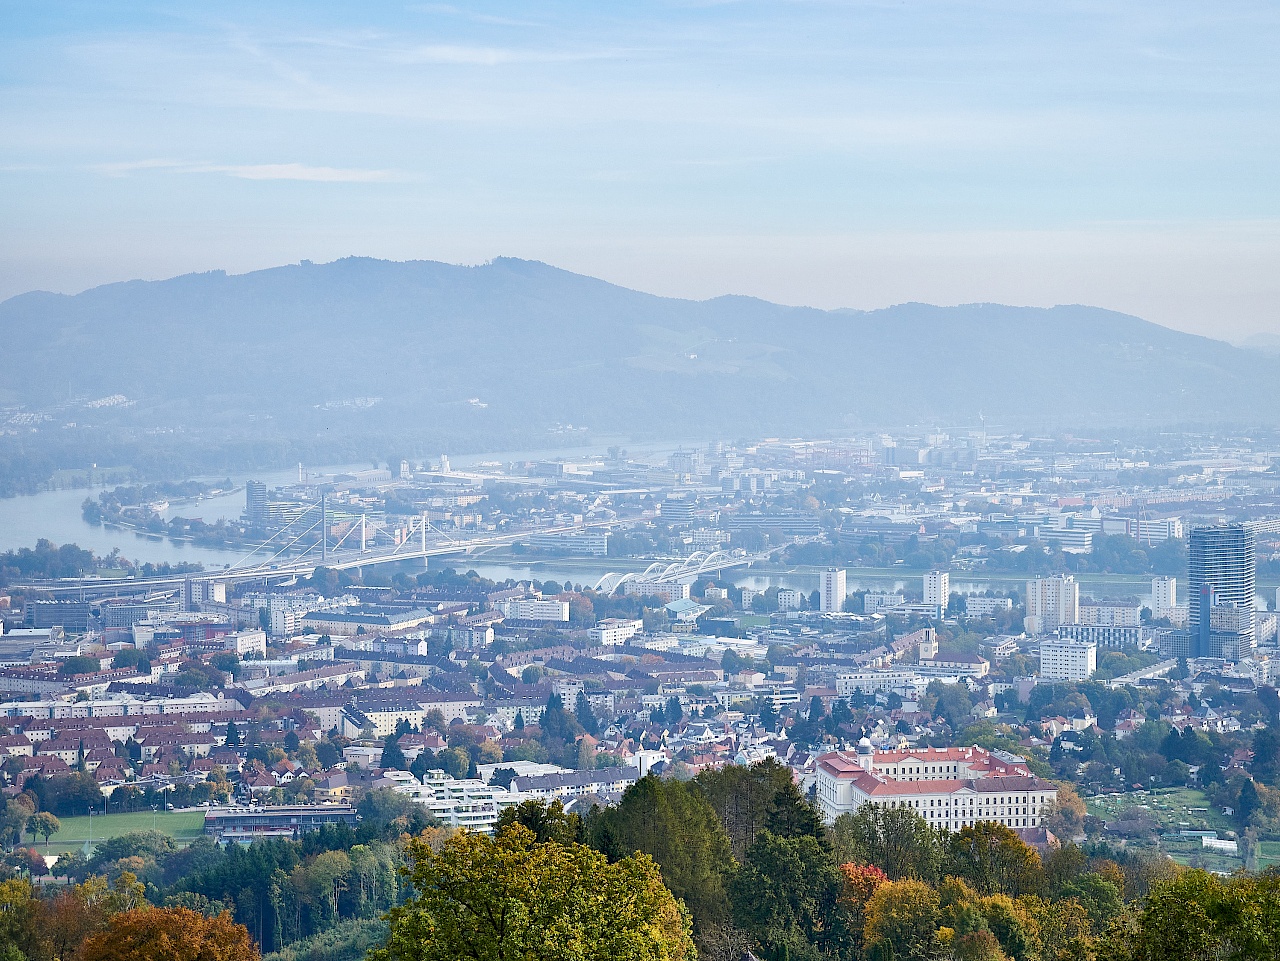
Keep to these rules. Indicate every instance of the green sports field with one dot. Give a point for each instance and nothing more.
(182, 826)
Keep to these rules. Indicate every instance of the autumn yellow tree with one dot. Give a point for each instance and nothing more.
(170, 934)
(510, 897)
(901, 920)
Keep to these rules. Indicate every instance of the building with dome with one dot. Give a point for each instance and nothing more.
(950, 787)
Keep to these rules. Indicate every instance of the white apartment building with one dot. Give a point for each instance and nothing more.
(937, 588)
(1110, 615)
(789, 600)
(246, 643)
(612, 631)
(831, 589)
(950, 787)
(907, 683)
(534, 609)
(575, 783)
(1051, 601)
(468, 804)
(1164, 595)
(978, 606)
(1065, 660)
(873, 602)
(666, 591)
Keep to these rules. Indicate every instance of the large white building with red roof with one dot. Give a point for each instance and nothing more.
(950, 787)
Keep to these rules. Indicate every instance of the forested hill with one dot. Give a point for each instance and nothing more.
(516, 350)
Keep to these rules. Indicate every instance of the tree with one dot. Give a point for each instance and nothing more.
(170, 934)
(787, 892)
(674, 711)
(233, 734)
(1065, 816)
(77, 665)
(761, 797)
(43, 823)
(548, 822)
(897, 840)
(518, 725)
(392, 756)
(585, 715)
(902, 917)
(509, 897)
(671, 822)
(1199, 916)
(992, 858)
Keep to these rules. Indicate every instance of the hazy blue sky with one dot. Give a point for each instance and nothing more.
(836, 154)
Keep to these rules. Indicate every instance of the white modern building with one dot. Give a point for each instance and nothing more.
(666, 591)
(1164, 595)
(907, 683)
(937, 588)
(949, 787)
(467, 804)
(789, 600)
(534, 609)
(831, 589)
(977, 606)
(1110, 615)
(612, 631)
(1052, 601)
(1066, 660)
(875, 602)
(246, 643)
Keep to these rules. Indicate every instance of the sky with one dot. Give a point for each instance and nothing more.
(833, 154)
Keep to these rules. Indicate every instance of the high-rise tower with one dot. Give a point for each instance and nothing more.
(1220, 577)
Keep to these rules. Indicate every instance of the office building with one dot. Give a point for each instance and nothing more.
(1067, 660)
(72, 616)
(255, 503)
(937, 589)
(831, 590)
(246, 825)
(578, 542)
(1106, 635)
(678, 510)
(1052, 601)
(1220, 574)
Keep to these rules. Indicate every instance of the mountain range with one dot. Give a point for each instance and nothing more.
(515, 351)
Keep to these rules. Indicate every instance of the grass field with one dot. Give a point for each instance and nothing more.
(1176, 809)
(1268, 854)
(183, 826)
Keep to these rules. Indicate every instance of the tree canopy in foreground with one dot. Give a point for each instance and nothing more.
(510, 897)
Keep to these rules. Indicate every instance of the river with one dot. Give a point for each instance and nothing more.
(56, 515)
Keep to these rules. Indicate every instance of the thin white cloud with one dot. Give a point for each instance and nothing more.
(468, 55)
(294, 171)
(284, 171)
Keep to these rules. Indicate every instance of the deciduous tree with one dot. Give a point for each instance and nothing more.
(170, 934)
(509, 897)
